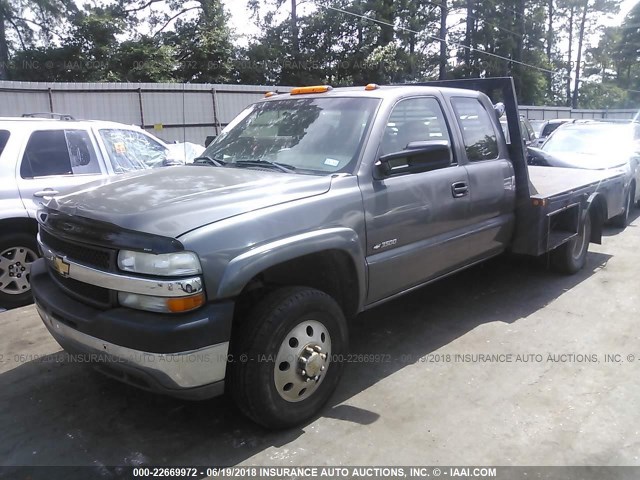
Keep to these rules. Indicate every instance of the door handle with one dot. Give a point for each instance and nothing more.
(459, 189)
(47, 192)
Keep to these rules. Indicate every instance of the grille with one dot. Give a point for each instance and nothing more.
(90, 294)
(88, 255)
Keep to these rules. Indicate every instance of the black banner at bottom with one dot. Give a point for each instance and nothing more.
(321, 472)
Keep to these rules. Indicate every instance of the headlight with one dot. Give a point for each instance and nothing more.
(161, 304)
(166, 264)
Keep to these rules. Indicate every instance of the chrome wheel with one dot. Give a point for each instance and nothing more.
(302, 361)
(15, 267)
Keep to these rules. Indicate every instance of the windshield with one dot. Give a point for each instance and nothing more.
(606, 141)
(308, 135)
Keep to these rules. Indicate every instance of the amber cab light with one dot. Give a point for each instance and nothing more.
(306, 90)
(270, 94)
(371, 86)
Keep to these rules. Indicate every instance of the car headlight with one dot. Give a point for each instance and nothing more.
(166, 264)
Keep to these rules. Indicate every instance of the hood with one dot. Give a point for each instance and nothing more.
(585, 160)
(174, 200)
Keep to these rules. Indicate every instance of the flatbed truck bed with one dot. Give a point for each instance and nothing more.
(548, 182)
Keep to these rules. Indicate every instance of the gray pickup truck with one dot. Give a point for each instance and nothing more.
(237, 274)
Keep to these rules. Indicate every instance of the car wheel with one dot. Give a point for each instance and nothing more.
(287, 356)
(571, 256)
(17, 252)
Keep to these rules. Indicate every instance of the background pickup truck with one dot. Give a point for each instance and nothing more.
(239, 273)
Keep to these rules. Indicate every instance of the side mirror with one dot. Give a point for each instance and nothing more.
(209, 139)
(417, 157)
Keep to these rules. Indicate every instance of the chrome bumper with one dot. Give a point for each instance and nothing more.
(173, 371)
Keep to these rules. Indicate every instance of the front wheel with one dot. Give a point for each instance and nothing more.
(287, 356)
(17, 252)
(571, 256)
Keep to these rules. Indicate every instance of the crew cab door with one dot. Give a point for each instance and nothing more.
(492, 192)
(415, 222)
(54, 161)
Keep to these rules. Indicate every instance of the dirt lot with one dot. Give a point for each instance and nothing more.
(560, 402)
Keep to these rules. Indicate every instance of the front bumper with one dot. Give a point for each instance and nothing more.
(136, 347)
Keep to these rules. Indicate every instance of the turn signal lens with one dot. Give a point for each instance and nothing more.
(161, 304)
(184, 304)
(306, 90)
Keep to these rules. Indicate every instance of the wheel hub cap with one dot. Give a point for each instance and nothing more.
(302, 361)
(15, 267)
(312, 361)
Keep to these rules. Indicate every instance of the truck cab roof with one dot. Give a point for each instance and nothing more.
(389, 92)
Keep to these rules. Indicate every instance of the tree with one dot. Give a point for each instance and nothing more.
(30, 24)
(144, 60)
(601, 95)
(444, 54)
(582, 17)
(629, 74)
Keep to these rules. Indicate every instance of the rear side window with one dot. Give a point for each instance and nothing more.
(59, 152)
(549, 128)
(4, 137)
(480, 139)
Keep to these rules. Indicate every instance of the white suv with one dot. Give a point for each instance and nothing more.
(41, 157)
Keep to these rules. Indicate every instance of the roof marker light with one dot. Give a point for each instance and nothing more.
(372, 86)
(307, 90)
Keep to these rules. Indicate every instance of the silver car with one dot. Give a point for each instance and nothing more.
(41, 157)
(600, 146)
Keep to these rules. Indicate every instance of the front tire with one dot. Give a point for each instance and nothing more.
(287, 356)
(571, 256)
(17, 252)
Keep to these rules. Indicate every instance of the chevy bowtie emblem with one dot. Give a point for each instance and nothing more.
(61, 266)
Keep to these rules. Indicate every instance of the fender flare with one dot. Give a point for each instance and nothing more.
(241, 269)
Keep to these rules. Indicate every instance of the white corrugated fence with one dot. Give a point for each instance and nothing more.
(181, 112)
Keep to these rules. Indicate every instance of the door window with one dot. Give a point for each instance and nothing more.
(129, 150)
(479, 137)
(414, 120)
(4, 138)
(59, 152)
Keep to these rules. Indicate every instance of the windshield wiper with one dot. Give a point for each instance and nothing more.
(283, 167)
(207, 160)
